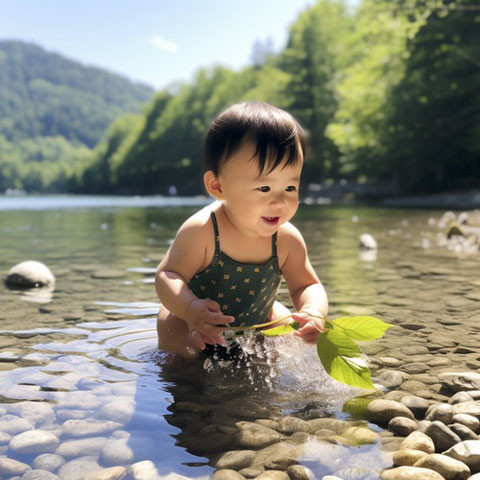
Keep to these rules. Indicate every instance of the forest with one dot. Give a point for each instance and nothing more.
(388, 94)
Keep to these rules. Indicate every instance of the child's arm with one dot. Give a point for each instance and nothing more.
(183, 259)
(308, 295)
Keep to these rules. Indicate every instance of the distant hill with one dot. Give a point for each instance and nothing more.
(53, 111)
(46, 94)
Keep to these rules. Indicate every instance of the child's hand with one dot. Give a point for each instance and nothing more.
(312, 324)
(203, 317)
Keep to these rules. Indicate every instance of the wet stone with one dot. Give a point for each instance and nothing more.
(410, 473)
(250, 472)
(463, 431)
(81, 448)
(418, 441)
(234, 460)
(415, 368)
(117, 452)
(383, 411)
(442, 436)
(413, 386)
(300, 472)
(39, 475)
(402, 426)
(48, 461)
(460, 381)
(77, 469)
(13, 425)
(443, 413)
(468, 420)
(273, 475)
(112, 473)
(227, 474)
(418, 406)
(293, 424)
(468, 408)
(87, 428)
(10, 467)
(142, 470)
(33, 441)
(390, 378)
(407, 457)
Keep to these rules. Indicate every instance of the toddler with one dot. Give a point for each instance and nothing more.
(225, 265)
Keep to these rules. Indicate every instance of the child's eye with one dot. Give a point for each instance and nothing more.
(291, 188)
(264, 189)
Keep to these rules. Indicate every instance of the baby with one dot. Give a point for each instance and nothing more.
(226, 263)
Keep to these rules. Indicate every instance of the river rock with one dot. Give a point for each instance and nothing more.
(81, 448)
(447, 467)
(38, 413)
(300, 472)
(402, 426)
(273, 475)
(48, 461)
(39, 475)
(33, 441)
(30, 274)
(367, 242)
(442, 436)
(87, 428)
(467, 452)
(112, 473)
(293, 424)
(227, 474)
(11, 468)
(358, 435)
(253, 435)
(418, 441)
(77, 469)
(119, 411)
(117, 452)
(442, 413)
(144, 470)
(468, 408)
(14, 425)
(410, 473)
(468, 420)
(460, 397)
(407, 457)
(390, 378)
(463, 431)
(333, 424)
(417, 405)
(382, 411)
(234, 460)
(460, 381)
(5, 438)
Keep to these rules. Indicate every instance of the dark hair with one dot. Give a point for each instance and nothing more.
(274, 132)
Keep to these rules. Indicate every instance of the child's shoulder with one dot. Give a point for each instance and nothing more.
(289, 239)
(198, 225)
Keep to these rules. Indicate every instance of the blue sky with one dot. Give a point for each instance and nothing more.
(153, 41)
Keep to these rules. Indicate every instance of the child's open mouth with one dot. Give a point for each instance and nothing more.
(270, 220)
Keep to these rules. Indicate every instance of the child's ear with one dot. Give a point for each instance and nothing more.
(213, 186)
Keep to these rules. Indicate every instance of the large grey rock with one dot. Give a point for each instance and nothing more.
(39, 475)
(442, 413)
(407, 457)
(87, 428)
(463, 431)
(448, 467)
(81, 448)
(48, 461)
(460, 381)
(30, 274)
(77, 469)
(117, 452)
(418, 441)
(14, 425)
(234, 460)
(33, 441)
(402, 426)
(118, 411)
(417, 405)
(39, 413)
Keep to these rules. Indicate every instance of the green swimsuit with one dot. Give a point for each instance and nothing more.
(244, 290)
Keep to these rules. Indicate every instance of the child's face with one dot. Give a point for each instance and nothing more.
(258, 204)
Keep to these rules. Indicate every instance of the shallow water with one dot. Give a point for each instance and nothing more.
(80, 362)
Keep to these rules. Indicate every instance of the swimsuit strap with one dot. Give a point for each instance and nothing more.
(217, 236)
(274, 244)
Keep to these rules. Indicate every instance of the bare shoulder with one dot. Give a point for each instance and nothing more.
(289, 239)
(197, 224)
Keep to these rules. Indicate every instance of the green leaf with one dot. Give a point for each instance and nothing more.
(281, 330)
(343, 360)
(362, 328)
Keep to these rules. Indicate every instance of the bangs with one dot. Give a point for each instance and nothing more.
(276, 135)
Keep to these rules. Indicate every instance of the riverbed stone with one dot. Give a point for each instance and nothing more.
(334, 424)
(273, 475)
(234, 460)
(118, 411)
(251, 472)
(442, 436)
(382, 411)
(39, 475)
(112, 473)
(390, 378)
(39, 413)
(81, 448)
(87, 428)
(418, 441)
(463, 431)
(144, 470)
(11, 468)
(468, 420)
(5, 438)
(467, 452)
(468, 408)
(358, 435)
(300, 472)
(117, 452)
(442, 413)
(410, 473)
(402, 426)
(13, 425)
(407, 457)
(293, 424)
(460, 397)
(417, 405)
(77, 469)
(227, 474)
(30, 274)
(33, 441)
(254, 436)
(448, 467)
(460, 381)
(48, 461)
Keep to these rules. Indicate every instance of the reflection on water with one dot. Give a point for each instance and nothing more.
(83, 368)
